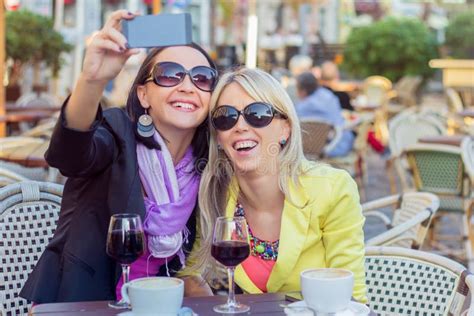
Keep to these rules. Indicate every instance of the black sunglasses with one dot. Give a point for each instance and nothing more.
(170, 74)
(257, 114)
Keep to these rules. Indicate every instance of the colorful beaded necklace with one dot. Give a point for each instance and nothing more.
(266, 250)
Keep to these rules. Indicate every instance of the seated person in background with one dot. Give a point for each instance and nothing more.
(298, 64)
(300, 213)
(329, 78)
(319, 102)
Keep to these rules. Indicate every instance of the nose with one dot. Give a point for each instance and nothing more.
(241, 124)
(186, 85)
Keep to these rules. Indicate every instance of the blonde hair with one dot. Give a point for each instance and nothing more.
(214, 187)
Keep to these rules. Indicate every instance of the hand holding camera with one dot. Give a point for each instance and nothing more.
(107, 51)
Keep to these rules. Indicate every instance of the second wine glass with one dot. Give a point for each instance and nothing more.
(125, 244)
(230, 246)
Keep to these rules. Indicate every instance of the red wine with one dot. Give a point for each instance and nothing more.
(125, 246)
(230, 252)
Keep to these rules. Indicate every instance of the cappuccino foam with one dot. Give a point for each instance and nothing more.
(161, 283)
(327, 274)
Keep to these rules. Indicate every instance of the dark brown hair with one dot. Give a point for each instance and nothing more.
(200, 142)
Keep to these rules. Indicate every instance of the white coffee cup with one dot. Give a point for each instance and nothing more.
(154, 296)
(327, 290)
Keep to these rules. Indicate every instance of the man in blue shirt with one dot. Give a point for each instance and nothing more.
(319, 102)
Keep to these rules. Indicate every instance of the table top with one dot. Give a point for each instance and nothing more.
(453, 140)
(467, 113)
(260, 304)
(24, 116)
(12, 107)
(28, 155)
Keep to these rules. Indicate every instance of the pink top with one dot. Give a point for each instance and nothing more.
(138, 269)
(258, 270)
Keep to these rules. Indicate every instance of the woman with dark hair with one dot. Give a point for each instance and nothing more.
(146, 160)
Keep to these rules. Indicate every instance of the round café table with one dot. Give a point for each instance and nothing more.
(452, 140)
(260, 304)
(24, 116)
(467, 113)
(28, 155)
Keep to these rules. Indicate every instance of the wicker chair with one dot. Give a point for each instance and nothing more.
(455, 103)
(405, 129)
(8, 143)
(377, 89)
(410, 221)
(403, 281)
(28, 215)
(44, 130)
(406, 89)
(448, 171)
(319, 136)
(9, 177)
(33, 174)
(356, 161)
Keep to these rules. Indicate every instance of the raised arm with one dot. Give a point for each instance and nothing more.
(104, 59)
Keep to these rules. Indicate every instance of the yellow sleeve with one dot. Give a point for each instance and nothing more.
(343, 234)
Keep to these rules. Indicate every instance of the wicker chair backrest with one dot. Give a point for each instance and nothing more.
(408, 127)
(376, 90)
(28, 216)
(455, 103)
(411, 205)
(407, 282)
(437, 171)
(8, 177)
(315, 134)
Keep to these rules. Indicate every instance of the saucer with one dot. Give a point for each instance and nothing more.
(184, 311)
(131, 313)
(355, 309)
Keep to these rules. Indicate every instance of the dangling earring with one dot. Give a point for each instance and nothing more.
(219, 147)
(145, 127)
(283, 142)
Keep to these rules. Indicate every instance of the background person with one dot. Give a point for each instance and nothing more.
(297, 65)
(319, 102)
(329, 77)
(144, 160)
(300, 214)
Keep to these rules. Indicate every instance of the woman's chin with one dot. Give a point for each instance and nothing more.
(251, 167)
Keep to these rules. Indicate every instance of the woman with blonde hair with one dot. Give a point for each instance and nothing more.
(300, 214)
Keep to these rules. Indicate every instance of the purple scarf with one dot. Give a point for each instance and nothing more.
(171, 194)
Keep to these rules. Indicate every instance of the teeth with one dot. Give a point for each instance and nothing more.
(183, 105)
(245, 144)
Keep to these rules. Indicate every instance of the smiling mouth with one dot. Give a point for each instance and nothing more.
(184, 106)
(245, 145)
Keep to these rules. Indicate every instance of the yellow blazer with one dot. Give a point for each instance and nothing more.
(321, 227)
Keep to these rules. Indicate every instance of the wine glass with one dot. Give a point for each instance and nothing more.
(230, 246)
(125, 244)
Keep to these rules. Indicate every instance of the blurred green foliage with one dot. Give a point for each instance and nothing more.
(30, 38)
(460, 35)
(393, 47)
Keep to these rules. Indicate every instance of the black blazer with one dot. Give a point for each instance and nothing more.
(102, 170)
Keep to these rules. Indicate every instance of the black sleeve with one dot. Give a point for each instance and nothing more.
(80, 153)
(345, 100)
